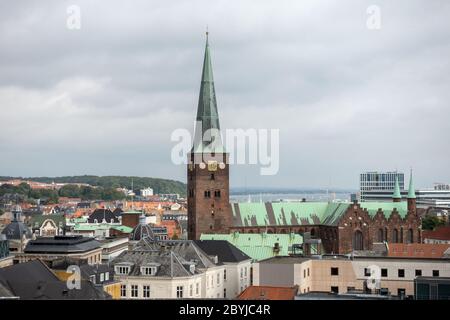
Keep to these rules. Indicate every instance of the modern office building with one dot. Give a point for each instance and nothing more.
(379, 186)
(375, 186)
(437, 197)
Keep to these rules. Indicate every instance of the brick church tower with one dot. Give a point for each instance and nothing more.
(209, 209)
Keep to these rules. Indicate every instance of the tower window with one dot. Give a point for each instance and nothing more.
(191, 193)
(217, 193)
(212, 176)
(207, 194)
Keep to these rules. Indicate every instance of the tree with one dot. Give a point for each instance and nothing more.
(431, 222)
(70, 190)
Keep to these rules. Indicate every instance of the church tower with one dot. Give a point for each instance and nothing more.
(411, 195)
(396, 197)
(209, 209)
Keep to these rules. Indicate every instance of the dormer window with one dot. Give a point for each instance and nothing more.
(149, 269)
(122, 269)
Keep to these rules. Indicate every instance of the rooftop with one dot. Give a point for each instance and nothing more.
(417, 250)
(441, 233)
(304, 213)
(224, 250)
(268, 293)
(62, 244)
(259, 246)
(34, 280)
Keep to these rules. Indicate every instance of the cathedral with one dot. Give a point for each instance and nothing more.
(341, 226)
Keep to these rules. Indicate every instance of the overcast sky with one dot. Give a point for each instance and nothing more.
(105, 99)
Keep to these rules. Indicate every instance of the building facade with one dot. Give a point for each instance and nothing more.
(376, 186)
(168, 270)
(340, 274)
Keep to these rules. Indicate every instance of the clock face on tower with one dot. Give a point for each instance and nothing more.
(212, 165)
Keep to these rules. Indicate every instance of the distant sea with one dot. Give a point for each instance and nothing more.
(308, 195)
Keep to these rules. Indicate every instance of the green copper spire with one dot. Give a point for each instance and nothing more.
(396, 194)
(411, 191)
(207, 115)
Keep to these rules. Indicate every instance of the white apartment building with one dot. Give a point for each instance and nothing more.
(168, 270)
(237, 272)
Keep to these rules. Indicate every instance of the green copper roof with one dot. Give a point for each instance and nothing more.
(90, 227)
(123, 229)
(79, 220)
(287, 213)
(39, 219)
(396, 194)
(411, 191)
(386, 207)
(259, 246)
(207, 114)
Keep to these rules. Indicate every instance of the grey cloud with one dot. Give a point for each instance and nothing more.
(105, 99)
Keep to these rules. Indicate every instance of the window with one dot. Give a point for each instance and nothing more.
(102, 277)
(207, 194)
(401, 273)
(146, 291)
(191, 193)
(334, 271)
(217, 193)
(367, 272)
(218, 278)
(134, 291)
(304, 273)
(225, 274)
(148, 271)
(224, 293)
(122, 270)
(197, 288)
(212, 176)
(92, 278)
(308, 272)
(242, 272)
(191, 290)
(401, 292)
(179, 291)
(435, 273)
(245, 271)
(349, 289)
(384, 272)
(123, 290)
(106, 276)
(410, 237)
(395, 236)
(418, 273)
(335, 289)
(380, 235)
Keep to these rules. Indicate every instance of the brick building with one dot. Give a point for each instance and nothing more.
(342, 227)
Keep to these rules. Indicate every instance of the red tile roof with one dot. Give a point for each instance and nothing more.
(417, 250)
(441, 233)
(268, 293)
